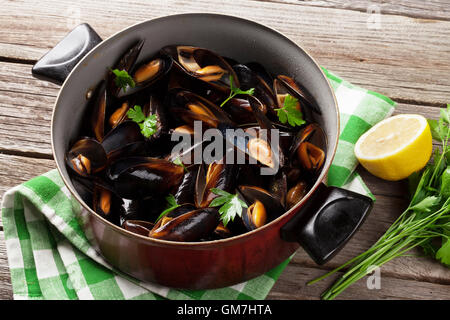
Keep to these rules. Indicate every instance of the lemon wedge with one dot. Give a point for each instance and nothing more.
(395, 147)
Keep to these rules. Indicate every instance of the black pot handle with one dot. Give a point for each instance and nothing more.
(56, 64)
(327, 221)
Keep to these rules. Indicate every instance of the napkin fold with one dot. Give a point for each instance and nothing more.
(50, 257)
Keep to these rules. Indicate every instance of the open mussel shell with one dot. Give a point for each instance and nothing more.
(125, 139)
(190, 226)
(178, 211)
(148, 74)
(263, 91)
(98, 106)
(186, 190)
(125, 63)
(219, 175)
(104, 203)
(86, 157)
(189, 107)
(283, 85)
(203, 64)
(155, 107)
(308, 148)
(262, 204)
(241, 112)
(138, 226)
(296, 194)
(142, 177)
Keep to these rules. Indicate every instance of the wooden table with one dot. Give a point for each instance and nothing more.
(399, 48)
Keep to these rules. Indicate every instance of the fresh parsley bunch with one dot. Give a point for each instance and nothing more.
(425, 222)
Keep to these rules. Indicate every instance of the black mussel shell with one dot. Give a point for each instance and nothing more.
(284, 84)
(263, 91)
(203, 64)
(104, 203)
(86, 157)
(143, 177)
(218, 175)
(138, 226)
(125, 139)
(125, 63)
(186, 190)
(187, 107)
(272, 204)
(191, 226)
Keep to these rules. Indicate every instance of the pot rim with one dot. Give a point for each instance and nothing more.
(197, 244)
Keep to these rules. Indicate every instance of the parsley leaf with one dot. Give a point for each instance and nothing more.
(178, 162)
(230, 204)
(289, 113)
(148, 124)
(123, 79)
(235, 91)
(171, 205)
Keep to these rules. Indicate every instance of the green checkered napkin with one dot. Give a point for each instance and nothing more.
(50, 258)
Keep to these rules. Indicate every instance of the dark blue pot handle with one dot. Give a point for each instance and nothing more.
(56, 64)
(327, 221)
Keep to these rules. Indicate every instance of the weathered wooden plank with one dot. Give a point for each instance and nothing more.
(292, 285)
(390, 60)
(430, 9)
(16, 169)
(26, 106)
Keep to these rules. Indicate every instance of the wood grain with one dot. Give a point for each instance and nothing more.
(430, 9)
(388, 60)
(26, 106)
(292, 285)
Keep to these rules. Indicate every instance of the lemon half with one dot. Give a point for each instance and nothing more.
(395, 147)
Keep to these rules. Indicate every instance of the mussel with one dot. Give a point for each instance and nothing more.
(86, 157)
(203, 64)
(218, 175)
(189, 226)
(284, 85)
(308, 148)
(138, 226)
(188, 107)
(263, 92)
(263, 206)
(125, 63)
(142, 177)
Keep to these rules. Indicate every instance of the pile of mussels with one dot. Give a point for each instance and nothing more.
(126, 177)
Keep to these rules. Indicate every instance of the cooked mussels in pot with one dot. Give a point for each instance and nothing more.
(188, 145)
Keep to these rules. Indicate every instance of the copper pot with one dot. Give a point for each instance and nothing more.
(321, 223)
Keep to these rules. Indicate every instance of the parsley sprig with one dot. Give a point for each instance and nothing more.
(289, 112)
(235, 91)
(171, 205)
(178, 162)
(148, 124)
(230, 204)
(123, 79)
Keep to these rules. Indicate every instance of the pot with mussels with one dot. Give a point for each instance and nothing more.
(196, 155)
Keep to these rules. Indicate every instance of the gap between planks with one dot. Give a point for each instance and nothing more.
(431, 9)
(391, 60)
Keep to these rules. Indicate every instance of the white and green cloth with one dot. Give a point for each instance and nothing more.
(50, 258)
